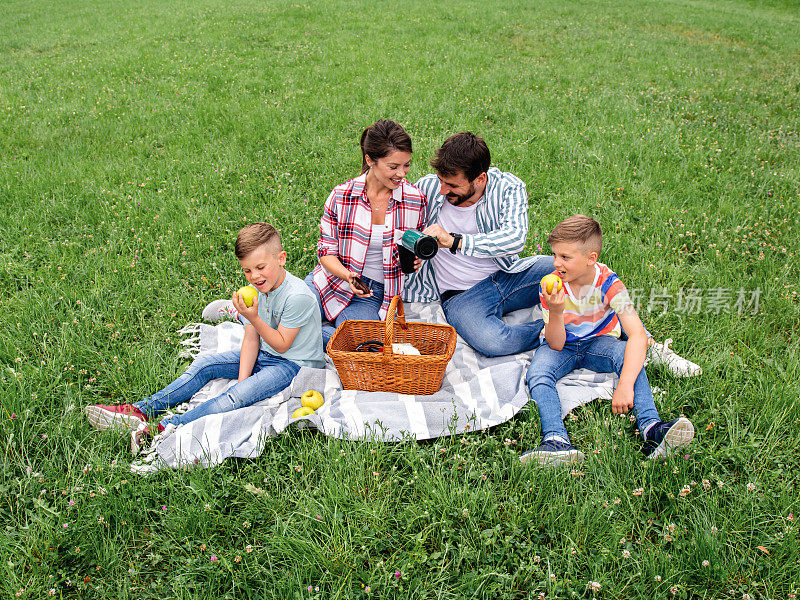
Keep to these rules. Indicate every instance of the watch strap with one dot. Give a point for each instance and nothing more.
(456, 240)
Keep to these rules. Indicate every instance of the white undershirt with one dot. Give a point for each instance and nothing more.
(457, 271)
(373, 261)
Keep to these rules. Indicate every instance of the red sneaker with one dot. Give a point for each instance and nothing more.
(124, 417)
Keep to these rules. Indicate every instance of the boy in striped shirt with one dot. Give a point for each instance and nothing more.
(585, 313)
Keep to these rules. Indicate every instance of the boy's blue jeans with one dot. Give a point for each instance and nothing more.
(476, 313)
(603, 354)
(365, 309)
(270, 375)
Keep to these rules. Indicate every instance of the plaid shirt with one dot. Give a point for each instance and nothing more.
(345, 230)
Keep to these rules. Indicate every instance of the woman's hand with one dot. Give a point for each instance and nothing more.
(358, 291)
(248, 312)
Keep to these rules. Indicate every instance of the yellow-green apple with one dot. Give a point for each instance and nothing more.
(303, 411)
(551, 283)
(312, 399)
(249, 293)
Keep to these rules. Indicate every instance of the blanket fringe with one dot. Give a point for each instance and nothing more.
(192, 334)
(190, 328)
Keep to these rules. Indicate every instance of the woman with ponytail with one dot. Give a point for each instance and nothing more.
(359, 268)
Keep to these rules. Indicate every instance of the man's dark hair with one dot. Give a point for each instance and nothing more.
(462, 153)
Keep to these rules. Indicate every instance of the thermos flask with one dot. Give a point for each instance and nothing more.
(415, 244)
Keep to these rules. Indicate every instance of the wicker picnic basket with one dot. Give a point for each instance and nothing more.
(387, 371)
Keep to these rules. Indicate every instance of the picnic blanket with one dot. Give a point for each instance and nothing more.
(477, 393)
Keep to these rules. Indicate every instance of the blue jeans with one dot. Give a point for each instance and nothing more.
(270, 375)
(365, 309)
(476, 313)
(603, 354)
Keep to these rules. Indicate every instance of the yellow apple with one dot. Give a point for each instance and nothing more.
(312, 399)
(249, 293)
(551, 281)
(303, 411)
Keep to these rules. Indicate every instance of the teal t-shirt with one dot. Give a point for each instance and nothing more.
(292, 305)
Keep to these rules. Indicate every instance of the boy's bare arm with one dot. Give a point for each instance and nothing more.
(635, 354)
(280, 339)
(554, 331)
(249, 352)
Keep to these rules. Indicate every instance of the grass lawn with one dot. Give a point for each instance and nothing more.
(136, 138)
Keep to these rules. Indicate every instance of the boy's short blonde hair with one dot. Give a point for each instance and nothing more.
(578, 229)
(254, 235)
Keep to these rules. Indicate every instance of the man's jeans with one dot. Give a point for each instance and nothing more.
(270, 375)
(476, 313)
(603, 354)
(365, 309)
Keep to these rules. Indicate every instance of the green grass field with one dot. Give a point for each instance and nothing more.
(136, 138)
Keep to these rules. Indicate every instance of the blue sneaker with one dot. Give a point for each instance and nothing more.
(663, 439)
(553, 452)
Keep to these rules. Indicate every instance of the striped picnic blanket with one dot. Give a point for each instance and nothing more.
(477, 393)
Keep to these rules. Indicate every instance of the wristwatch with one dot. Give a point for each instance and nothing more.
(456, 241)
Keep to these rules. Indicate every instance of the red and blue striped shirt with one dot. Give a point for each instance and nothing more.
(596, 313)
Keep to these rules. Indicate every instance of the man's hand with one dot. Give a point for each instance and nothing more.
(248, 312)
(622, 400)
(444, 239)
(556, 300)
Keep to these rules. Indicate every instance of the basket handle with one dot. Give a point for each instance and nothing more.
(395, 312)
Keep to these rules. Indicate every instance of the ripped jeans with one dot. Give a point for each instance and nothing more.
(271, 374)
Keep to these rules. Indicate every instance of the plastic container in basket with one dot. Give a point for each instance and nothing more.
(386, 371)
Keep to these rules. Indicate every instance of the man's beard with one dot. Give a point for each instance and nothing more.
(457, 199)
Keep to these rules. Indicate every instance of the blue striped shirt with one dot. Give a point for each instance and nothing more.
(502, 218)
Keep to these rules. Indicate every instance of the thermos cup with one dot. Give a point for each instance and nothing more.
(415, 244)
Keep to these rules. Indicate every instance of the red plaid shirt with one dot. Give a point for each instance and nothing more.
(345, 230)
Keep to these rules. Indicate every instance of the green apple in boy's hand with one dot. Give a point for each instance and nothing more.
(248, 293)
(551, 283)
(312, 399)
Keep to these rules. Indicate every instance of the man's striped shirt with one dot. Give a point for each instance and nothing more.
(502, 218)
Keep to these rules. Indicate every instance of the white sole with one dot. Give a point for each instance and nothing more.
(101, 418)
(219, 310)
(661, 354)
(552, 459)
(679, 435)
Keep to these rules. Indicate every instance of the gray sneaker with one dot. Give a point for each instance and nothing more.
(220, 310)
